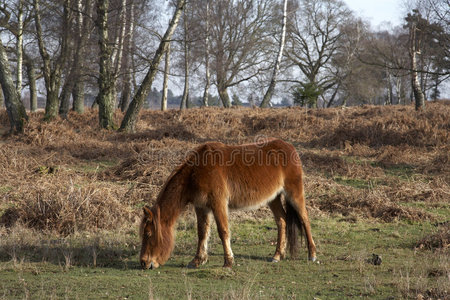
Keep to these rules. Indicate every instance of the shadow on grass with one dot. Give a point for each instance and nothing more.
(65, 255)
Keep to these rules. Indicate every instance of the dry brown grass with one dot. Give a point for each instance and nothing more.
(69, 175)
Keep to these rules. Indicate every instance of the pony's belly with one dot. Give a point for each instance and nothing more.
(252, 202)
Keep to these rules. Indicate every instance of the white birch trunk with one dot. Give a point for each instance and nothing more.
(268, 96)
(418, 94)
(129, 121)
(207, 73)
(19, 49)
(166, 80)
(185, 99)
(120, 45)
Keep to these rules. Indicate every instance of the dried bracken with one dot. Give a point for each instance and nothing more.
(368, 161)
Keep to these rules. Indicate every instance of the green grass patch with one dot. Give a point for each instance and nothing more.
(95, 166)
(439, 209)
(402, 171)
(353, 182)
(106, 265)
(5, 189)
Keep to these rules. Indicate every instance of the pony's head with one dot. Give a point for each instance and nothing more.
(155, 249)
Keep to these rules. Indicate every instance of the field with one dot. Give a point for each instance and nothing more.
(377, 182)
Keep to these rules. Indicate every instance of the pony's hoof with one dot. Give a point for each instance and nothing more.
(192, 265)
(313, 259)
(274, 260)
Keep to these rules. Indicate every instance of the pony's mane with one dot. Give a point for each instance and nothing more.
(169, 180)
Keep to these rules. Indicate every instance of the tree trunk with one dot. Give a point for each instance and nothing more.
(207, 74)
(78, 96)
(166, 80)
(19, 48)
(185, 98)
(14, 107)
(126, 91)
(2, 98)
(52, 71)
(390, 95)
(130, 119)
(64, 98)
(223, 94)
(333, 96)
(268, 96)
(104, 97)
(83, 34)
(415, 84)
(117, 52)
(31, 73)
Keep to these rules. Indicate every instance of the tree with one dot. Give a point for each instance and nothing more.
(82, 35)
(306, 94)
(205, 98)
(313, 38)
(239, 42)
(52, 64)
(31, 74)
(17, 27)
(14, 107)
(166, 80)
(104, 98)
(186, 47)
(129, 121)
(414, 48)
(268, 95)
(236, 101)
(127, 63)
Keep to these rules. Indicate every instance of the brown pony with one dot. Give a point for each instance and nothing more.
(217, 177)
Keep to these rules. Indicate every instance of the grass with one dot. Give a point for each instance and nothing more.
(353, 182)
(71, 268)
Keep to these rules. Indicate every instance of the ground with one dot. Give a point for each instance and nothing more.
(377, 182)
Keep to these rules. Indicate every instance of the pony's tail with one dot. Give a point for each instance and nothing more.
(295, 228)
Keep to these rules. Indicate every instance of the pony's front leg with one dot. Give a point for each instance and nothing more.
(280, 218)
(203, 225)
(220, 212)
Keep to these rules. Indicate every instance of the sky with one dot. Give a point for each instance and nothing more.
(377, 11)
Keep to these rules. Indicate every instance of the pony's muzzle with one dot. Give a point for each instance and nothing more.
(148, 265)
(144, 264)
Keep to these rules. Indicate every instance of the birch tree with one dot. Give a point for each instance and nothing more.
(19, 47)
(129, 40)
(14, 107)
(186, 42)
(413, 20)
(52, 64)
(82, 36)
(118, 48)
(105, 86)
(166, 79)
(205, 99)
(268, 95)
(129, 122)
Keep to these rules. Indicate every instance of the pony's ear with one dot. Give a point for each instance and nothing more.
(147, 212)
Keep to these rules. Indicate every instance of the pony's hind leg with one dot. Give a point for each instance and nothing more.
(280, 219)
(203, 226)
(311, 245)
(296, 198)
